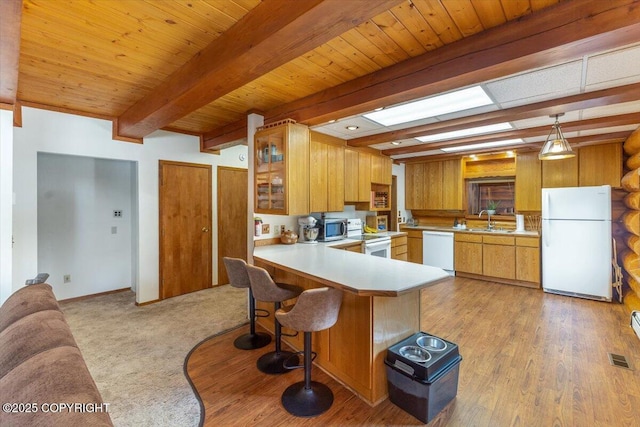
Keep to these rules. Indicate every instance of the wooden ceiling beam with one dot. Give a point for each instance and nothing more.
(580, 125)
(11, 15)
(581, 101)
(582, 141)
(556, 34)
(268, 36)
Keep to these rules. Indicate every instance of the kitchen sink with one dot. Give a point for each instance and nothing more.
(486, 230)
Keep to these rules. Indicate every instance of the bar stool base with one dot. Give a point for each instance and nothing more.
(303, 402)
(252, 341)
(273, 362)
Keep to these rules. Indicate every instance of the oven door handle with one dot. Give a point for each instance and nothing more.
(376, 245)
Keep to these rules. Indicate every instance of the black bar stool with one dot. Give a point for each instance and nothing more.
(238, 278)
(266, 290)
(315, 310)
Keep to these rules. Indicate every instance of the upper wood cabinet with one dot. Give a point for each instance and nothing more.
(560, 173)
(434, 185)
(452, 185)
(326, 173)
(357, 176)
(600, 165)
(528, 182)
(281, 181)
(380, 170)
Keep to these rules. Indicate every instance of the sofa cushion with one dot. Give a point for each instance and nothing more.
(47, 380)
(25, 301)
(32, 335)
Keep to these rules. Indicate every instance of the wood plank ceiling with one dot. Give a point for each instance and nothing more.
(199, 67)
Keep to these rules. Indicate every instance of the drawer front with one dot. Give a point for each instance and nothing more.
(415, 233)
(398, 241)
(398, 250)
(498, 240)
(531, 242)
(468, 237)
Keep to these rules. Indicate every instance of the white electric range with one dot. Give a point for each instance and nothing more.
(374, 244)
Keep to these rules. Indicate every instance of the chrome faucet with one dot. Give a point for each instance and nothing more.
(489, 225)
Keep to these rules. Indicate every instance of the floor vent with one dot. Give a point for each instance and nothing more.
(619, 361)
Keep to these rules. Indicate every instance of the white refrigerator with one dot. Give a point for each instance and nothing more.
(576, 241)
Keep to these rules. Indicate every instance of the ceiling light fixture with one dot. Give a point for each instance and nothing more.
(430, 107)
(482, 145)
(558, 147)
(351, 127)
(465, 132)
(395, 143)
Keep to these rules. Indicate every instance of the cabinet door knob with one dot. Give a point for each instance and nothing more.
(205, 230)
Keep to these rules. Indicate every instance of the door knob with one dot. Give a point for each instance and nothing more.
(205, 230)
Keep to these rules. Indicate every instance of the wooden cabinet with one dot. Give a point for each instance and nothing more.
(399, 247)
(434, 185)
(414, 246)
(357, 176)
(281, 180)
(528, 182)
(350, 246)
(380, 170)
(560, 173)
(414, 186)
(528, 259)
(600, 165)
(499, 257)
(326, 173)
(468, 253)
(452, 185)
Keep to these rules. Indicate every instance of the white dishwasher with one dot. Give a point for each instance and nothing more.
(437, 250)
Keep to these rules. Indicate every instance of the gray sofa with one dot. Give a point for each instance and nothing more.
(44, 380)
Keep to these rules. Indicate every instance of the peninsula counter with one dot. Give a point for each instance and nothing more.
(380, 306)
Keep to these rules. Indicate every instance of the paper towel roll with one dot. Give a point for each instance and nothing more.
(519, 222)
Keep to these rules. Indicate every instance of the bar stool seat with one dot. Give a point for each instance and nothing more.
(315, 310)
(238, 278)
(266, 290)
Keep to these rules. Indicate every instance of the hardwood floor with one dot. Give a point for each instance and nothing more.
(529, 359)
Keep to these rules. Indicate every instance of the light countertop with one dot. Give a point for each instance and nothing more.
(354, 272)
(470, 230)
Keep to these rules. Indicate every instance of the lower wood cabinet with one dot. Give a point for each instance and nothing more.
(399, 247)
(414, 246)
(528, 259)
(507, 259)
(351, 246)
(468, 253)
(499, 257)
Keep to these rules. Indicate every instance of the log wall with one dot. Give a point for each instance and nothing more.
(629, 258)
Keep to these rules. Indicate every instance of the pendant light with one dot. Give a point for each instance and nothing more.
(556, 147)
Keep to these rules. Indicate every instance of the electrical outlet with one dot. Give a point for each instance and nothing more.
(66, 278)
(282, 229)
(265, 228)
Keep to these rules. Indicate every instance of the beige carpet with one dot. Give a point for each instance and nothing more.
(136, 354)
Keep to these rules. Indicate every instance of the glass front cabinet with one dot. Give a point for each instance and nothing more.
(282, 169)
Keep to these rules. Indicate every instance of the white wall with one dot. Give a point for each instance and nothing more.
(52, 132)
(78, 233)
(399, 172)
(6, 202)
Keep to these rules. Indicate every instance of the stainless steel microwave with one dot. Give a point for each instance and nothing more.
(332, 229)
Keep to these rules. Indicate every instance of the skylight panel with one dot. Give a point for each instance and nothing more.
(465, 132)
(482, 145)
(435, 106)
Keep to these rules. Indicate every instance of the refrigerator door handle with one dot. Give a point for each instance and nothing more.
(545, 236)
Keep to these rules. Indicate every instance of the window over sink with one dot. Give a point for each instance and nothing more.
(481, 192)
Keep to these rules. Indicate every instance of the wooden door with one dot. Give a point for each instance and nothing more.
(232, 217)
(185, 228)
